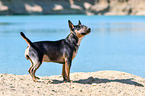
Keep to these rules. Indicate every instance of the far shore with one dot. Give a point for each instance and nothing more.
(88, 7)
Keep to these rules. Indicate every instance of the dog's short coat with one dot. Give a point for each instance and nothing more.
(62, 51)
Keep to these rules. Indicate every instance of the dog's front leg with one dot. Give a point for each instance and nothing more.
(67, 69)
(63, 73)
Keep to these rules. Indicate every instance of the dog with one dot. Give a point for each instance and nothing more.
(62, 51)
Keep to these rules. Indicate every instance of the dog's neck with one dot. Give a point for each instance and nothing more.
(73, 41)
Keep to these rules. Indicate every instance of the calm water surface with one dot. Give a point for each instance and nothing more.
(115, 43)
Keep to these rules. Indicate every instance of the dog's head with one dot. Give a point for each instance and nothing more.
(79, 30)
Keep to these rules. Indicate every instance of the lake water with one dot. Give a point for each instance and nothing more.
(115, 43)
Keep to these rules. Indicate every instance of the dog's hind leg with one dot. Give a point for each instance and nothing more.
(35, 58)
(29, 70)
(33, 69)
(35, 64)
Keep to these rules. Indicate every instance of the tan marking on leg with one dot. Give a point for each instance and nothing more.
(67, 70)
(63, 72)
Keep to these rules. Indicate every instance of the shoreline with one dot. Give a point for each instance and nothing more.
(102, 83)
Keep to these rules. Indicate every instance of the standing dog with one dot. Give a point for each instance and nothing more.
(62, 51)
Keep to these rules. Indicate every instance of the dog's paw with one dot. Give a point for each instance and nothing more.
(36, 79)
(65, 81)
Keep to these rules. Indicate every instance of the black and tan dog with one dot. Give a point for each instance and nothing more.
(62, 51)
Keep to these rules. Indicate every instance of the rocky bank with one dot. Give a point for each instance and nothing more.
(89, 7)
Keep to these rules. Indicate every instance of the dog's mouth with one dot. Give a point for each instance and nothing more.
(87, 32)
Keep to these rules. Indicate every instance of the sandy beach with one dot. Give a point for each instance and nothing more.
(100, 83)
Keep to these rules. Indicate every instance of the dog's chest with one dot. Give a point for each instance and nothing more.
(74, 54)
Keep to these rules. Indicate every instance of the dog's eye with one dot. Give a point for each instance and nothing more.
(72, 29)
(79, 27)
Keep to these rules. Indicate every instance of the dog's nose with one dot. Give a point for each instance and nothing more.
(89, 30)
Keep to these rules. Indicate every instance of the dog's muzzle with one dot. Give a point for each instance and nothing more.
(87, 32)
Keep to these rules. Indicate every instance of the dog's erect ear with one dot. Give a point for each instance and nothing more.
(79, 22)
(71, 26)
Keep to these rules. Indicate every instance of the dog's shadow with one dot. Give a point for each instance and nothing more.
(92, 80)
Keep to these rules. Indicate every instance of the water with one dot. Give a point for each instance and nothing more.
(115, 43)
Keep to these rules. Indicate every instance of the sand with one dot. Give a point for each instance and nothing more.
(100, 83)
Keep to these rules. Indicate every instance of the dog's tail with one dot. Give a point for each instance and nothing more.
(26, 39)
